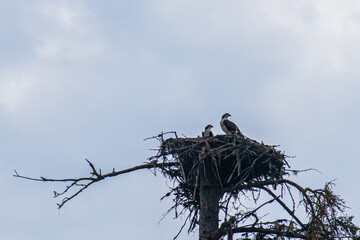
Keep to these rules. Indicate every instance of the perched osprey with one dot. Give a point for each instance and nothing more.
(229, 127)
(208, 132)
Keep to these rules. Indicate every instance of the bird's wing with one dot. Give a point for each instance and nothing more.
(231, 126)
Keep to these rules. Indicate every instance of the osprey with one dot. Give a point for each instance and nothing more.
(229, 127)
(208, 132)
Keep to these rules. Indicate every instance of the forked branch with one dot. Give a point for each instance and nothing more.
(82, 183)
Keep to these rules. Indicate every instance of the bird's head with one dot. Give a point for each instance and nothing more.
(226, 115)
(209, 127)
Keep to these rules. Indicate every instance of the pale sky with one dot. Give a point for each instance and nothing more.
(92, 79)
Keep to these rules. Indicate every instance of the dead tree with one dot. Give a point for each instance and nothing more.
(223, 185)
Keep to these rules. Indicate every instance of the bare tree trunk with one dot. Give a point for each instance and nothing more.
(209, 202)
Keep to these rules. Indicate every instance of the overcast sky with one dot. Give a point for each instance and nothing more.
(92, 79)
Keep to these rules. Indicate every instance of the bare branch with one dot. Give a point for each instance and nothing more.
(85, 182)
(291, 213)
(268, 231)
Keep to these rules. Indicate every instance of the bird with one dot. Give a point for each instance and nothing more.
(229, 127)
(208, 132)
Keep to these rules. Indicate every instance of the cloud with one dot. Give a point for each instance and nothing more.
(56, 35)
(15, 86)
(71, 35)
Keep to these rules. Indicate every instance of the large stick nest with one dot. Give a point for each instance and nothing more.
(233, 161)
